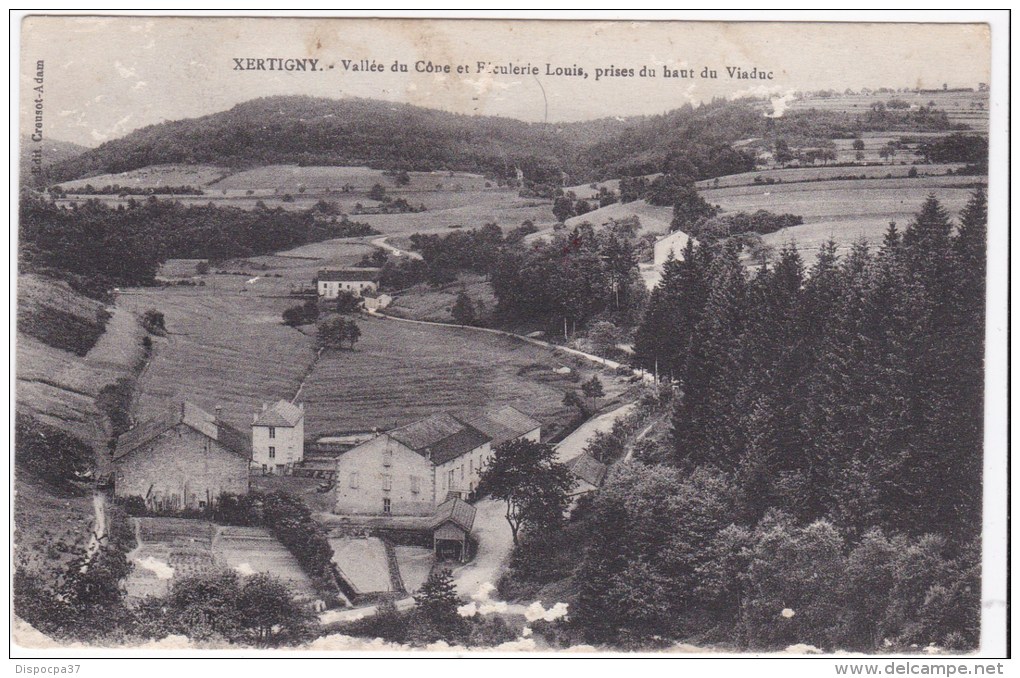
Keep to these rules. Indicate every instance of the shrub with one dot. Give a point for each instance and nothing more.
(154, 322)
(48, 452)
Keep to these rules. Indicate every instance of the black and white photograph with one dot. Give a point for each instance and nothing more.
(355, 336)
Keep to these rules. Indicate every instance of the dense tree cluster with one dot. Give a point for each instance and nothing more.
(569, 280)
(124, 245)
(735, 223)
(58, 191)
(955, 148)
(666, 560)
(823, 480)
(316, 131)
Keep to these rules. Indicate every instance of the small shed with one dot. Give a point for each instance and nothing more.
(588, 472)
(451, 530)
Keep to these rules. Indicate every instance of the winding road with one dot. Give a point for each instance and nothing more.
(381, 242)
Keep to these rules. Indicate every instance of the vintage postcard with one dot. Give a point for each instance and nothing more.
(434, 335)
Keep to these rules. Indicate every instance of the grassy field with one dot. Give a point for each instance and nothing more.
(155, 176)
(844, 210)
(968, 108)
(319, 179)
(51, 526)
(224, 348)
(811, 174)
(58, 386)
(467, 209)
(653, 219)
(400, 372)
(423, 302)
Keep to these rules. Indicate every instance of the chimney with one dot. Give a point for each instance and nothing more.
(219, 413)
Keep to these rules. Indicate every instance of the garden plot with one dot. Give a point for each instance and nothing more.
(249, 550)
(415, 563)
(363, 562)
(169, 548)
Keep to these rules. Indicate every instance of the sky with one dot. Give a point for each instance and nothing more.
(106, 76)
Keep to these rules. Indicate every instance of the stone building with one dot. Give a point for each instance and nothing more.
(183, 459)
(411, 470)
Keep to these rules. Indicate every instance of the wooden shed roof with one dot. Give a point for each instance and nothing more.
(457, 511)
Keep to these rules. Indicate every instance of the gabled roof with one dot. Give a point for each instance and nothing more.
(427, 431)
(353, 274)
(587, 468)
(191, 416)
(457, 511)
(463, 441)
(280, 414)
(439, 437)
(502, 423)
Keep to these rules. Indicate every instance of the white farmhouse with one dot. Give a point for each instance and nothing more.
(278, 437)
(411, 470)
(674, 244)
(357, 281)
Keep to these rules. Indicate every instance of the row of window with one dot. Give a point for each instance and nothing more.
(354, 481)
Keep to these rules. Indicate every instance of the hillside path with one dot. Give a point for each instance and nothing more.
(381, 242)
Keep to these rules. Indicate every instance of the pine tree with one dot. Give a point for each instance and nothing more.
(703, 427)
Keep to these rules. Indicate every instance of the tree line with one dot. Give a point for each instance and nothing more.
(124, 245)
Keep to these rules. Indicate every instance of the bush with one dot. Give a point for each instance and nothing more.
(154, 322)
(48, 452)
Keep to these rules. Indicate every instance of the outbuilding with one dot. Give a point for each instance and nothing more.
(451, 530)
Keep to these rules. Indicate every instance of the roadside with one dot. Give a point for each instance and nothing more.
(574, 444)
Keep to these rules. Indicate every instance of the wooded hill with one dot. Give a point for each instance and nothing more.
(693, 141)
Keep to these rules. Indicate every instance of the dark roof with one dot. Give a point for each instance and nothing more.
(191, 416)
(370, 274)
(280, 414)
(457, 511)
(587, 468)
(440, 437)
(427, 431)
(463, 441)
(502, 423)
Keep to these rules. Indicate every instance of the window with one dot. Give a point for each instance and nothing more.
(272, 431)
(354, 481)
(471, 466)
(387, 457)
(387, 482)
(415, 484)
(386, 505)
(272, 453)
(449, 480)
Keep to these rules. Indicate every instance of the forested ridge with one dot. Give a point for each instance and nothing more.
(693, 141)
